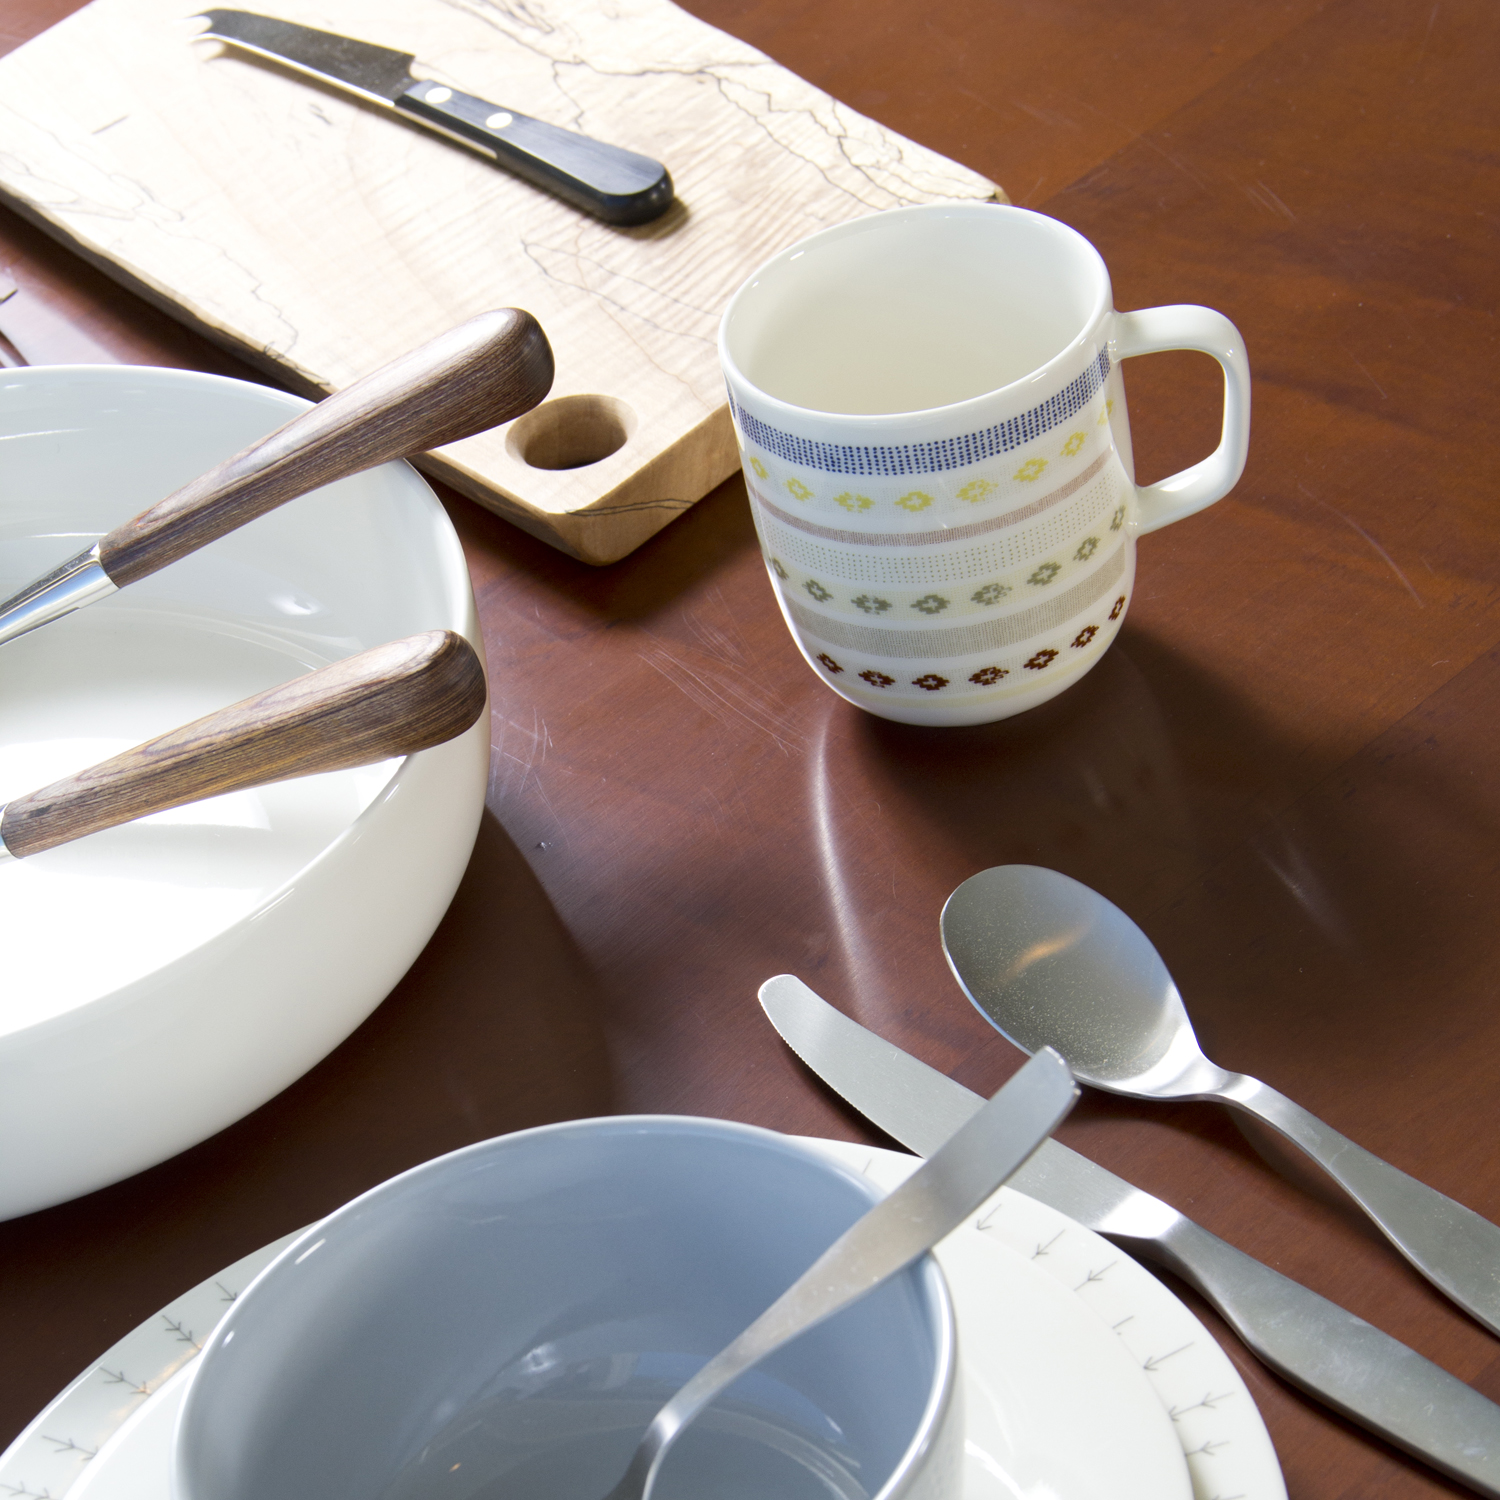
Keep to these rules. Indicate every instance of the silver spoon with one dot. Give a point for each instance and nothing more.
(927, 1207)
(1049, 962)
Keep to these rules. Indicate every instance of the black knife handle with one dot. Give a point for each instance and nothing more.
(619, 186)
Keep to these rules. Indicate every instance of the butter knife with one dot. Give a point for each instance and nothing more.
(1336, 1358)
(619, 186)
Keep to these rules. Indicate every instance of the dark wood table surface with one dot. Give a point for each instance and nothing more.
(1285, 770)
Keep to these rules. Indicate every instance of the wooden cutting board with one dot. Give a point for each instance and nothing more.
(320, 236)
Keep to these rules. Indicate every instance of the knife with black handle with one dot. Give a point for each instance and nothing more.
(616, 185)
(1335, 1357)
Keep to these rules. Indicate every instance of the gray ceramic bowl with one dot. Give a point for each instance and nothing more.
(504, 1321)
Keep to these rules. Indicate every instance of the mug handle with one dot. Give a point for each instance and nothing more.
(1154, 329)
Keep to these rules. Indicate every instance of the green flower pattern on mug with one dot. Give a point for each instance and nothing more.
(991, 593)
(1045, 574)
(758, 466)
(779, 569)
(1117, 520)
(1087, 548)
(817, 590)
(853, 502)
(914, 501)
(1074, 443)
(977, 489)
(871, 604)
(1031, 469)
(796, 488)
(931, 604)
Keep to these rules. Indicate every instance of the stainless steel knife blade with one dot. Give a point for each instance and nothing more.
(619, 186)
(1337, 1358)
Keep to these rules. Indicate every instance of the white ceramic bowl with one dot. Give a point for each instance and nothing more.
(163, 979)
(505, 1321)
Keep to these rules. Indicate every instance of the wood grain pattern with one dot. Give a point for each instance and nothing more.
(394, 699)
(486, 371)
(1285, 768)
(318, 236)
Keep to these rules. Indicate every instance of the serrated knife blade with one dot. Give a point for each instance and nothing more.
(1335, 1357)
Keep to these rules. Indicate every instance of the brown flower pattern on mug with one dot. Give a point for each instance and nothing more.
(930, 604)
(871, 604)
(1114, 614)
(1087, 548)
(1043, 658)
(878, 679)
(988, 676)
(1046, 573)
(829, 662)
(817, 590)
(1085, 635)
(929, 682)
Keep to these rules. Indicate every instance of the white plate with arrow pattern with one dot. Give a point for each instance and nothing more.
(1084, 1377)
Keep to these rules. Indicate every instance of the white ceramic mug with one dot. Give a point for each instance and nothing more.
(934, 437)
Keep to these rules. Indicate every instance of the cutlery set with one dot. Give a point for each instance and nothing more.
(1054, 966)
(391, 700)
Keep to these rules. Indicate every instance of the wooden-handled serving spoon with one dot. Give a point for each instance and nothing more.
(484, 372)
(391, 700)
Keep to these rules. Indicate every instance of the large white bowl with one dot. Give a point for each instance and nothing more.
(161, 980)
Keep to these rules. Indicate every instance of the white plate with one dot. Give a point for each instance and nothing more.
(167, 977)
(1085, 1379)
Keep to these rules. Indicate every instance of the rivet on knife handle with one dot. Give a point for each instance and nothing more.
(619, 186)
(394, 699)
(475, 376)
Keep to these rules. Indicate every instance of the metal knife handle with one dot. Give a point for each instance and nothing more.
(1337, 1358)
(619, 186)
(391, 700)
(1452, 1246)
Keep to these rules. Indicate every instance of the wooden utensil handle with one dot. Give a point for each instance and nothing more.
(392, 700)
(475, 376)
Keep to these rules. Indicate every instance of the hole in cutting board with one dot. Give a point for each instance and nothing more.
(571, 432)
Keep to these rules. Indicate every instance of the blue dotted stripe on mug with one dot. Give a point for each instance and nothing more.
(929, 458)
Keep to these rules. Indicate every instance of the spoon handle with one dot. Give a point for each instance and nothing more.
(950, 1185)
(391, 700)
(1452, 1246)
(474, 376)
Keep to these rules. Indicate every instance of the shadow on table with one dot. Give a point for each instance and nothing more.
(1321, 912)
(669, 565)
(494, 1028)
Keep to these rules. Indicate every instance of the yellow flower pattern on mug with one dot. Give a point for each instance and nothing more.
(1073, 444)
(977, 489)
(758, 466)
(796, 488)
(916, 500)
(1031, 469)
(853, 502)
